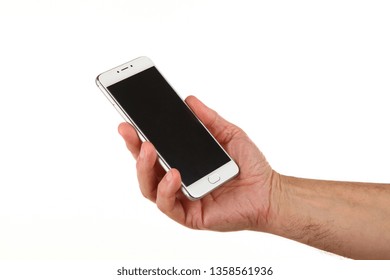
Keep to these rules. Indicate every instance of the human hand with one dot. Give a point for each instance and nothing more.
(242, 203)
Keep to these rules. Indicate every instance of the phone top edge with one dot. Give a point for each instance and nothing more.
(97, 81)
(124, 71)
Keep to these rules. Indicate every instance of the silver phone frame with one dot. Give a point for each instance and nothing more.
(202, 186)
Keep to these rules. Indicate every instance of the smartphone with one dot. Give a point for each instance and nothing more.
(146, 100)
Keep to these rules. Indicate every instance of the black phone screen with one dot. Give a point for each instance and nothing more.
(169, 125)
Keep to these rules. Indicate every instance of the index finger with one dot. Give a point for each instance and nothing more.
(129, 134)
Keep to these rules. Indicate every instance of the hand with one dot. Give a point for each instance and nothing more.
(243, 203)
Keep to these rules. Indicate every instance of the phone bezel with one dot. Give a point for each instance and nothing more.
(202, 186)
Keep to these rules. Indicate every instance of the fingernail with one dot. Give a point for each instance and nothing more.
(169, 176)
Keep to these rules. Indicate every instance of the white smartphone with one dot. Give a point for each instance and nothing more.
(145, 99)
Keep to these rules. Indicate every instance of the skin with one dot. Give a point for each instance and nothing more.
(349, 219)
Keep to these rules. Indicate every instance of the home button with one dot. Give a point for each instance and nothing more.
(214, 178)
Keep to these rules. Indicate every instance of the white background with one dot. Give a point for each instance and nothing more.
(307, 80)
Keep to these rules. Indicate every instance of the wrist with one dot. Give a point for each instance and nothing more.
(272, 215)
(268, 213)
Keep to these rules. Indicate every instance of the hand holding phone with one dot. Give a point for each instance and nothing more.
(145, 99)
(241, 203)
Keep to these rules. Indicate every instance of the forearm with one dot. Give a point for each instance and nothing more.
(349, 219)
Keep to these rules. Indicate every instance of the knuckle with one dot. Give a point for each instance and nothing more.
(143, 192)
(148, 194)
(161, 207)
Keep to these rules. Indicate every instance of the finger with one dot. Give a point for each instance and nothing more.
(129, 134)
(147, 174)
(218, 126)
(167, 200)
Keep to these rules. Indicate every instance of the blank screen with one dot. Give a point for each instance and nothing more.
(169, 125)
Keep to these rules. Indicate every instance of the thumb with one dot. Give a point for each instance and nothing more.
(218, 126)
